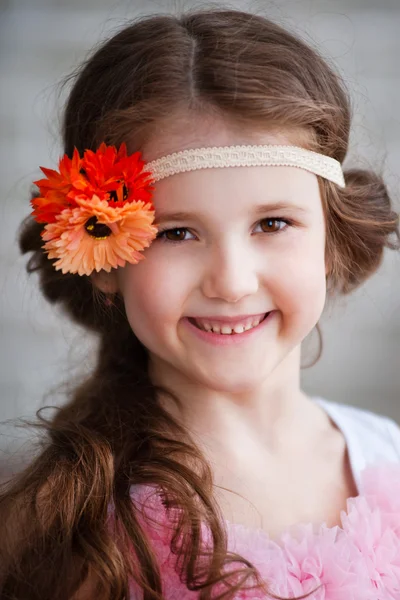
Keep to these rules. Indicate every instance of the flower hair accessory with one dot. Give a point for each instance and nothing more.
(98, 209)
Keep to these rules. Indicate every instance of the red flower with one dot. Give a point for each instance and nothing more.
(117, 178)
(108, 174)
(54, 191)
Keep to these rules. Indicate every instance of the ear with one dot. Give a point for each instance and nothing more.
(106, 282)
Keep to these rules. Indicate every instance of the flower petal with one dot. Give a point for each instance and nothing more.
(76, 251)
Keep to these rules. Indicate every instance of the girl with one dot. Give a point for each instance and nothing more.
(199, 218)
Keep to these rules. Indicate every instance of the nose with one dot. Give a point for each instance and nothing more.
(231, 273)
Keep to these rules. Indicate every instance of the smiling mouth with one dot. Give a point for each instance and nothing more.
(228, 329)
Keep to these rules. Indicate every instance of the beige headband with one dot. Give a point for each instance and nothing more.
(247, 156)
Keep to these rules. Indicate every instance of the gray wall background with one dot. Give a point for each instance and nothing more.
(40, 42)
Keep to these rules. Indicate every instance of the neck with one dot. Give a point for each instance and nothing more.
(269, 416)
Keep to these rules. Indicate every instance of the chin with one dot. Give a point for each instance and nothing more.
(234, 383)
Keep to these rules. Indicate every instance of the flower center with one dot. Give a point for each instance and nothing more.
(114, 196)
(100, 231)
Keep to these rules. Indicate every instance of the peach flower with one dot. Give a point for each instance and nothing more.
(94, 235)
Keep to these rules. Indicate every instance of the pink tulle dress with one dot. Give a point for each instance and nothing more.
(360, 560)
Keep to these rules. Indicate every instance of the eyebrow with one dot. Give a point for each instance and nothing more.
(261, 209)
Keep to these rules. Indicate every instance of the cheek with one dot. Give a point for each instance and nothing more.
(154, 295)
(300, 284)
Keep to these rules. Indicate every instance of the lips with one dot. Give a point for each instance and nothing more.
(228, 326)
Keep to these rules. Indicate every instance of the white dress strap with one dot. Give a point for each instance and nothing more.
(371, 439)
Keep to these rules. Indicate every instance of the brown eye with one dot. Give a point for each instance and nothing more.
(173, 235)
(271, 225)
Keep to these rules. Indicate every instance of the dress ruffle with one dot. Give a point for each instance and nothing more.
(360, 560)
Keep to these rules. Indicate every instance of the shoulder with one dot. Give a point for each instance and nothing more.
(367, 418)
(378, 435)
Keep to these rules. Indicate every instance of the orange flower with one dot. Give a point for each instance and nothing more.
(107, 173)
(97, 209)
(116, 177)
(54, 191)
(94, 236)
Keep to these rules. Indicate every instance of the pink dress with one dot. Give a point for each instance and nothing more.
(360, 560)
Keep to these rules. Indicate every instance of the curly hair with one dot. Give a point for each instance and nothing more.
(55, 536)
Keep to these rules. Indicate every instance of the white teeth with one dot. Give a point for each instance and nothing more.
(227, 329)
(238, 328)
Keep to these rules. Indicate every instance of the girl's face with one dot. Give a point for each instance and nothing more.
(235, 245)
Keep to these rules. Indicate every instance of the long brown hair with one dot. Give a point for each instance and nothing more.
(55, 535)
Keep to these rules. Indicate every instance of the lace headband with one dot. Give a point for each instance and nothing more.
(98, 211)
(247, 156)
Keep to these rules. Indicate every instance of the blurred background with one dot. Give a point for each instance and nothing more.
(41, 42)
